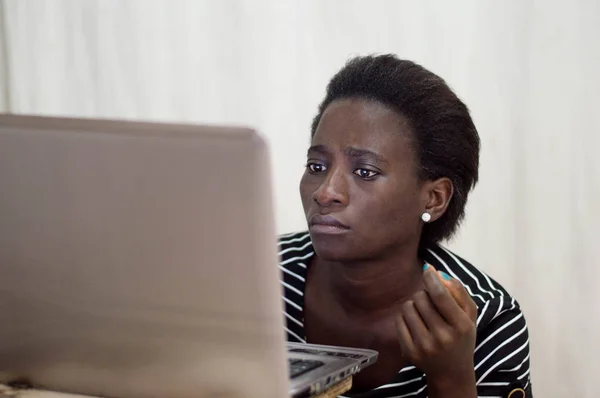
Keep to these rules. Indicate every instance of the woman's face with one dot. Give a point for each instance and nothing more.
(360, 190)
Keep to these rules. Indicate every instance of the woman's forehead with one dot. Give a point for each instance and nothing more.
(363, 124)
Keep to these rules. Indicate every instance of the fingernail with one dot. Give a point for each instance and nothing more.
(425, 266)
(445, 275)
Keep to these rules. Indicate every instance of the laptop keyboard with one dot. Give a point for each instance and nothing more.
(300, 366)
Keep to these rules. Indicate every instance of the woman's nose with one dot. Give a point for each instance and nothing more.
(333, 190)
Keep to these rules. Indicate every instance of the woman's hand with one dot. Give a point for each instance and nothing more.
(437, 330)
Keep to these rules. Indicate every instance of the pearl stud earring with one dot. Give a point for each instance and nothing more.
(426, 217)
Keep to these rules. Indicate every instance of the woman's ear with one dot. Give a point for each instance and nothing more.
(437, 196)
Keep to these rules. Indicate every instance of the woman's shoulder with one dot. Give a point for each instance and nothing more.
(478, 284)
(499, 314)
(294, 247)
(502, 347)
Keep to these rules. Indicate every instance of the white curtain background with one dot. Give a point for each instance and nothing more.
(528, 69)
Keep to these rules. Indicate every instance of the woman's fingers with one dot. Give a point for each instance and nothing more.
(460, 294)
(436, 325)
(443, 299)
(404, 337)
(421, 336)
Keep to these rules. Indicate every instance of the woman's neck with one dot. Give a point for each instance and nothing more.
(372, 288)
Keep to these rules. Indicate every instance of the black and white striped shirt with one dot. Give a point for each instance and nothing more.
(502, 346)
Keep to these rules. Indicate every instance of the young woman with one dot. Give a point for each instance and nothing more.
(394, 154)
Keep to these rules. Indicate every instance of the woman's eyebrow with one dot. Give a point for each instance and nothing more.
(352, 152)
(364, 153)
(321, 149)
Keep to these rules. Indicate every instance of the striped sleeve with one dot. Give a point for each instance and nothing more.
(502, 349)
(295, 251)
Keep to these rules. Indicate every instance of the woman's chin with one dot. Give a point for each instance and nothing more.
(329, 249)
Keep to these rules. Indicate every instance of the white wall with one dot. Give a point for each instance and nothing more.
(3, 63)
(528, 69)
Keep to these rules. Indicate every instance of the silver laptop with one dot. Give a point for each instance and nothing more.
(139, 260)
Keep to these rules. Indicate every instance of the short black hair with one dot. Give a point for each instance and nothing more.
(446, 141)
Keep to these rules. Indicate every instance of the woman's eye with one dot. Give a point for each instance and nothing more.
(316, 167)
(365, 173)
